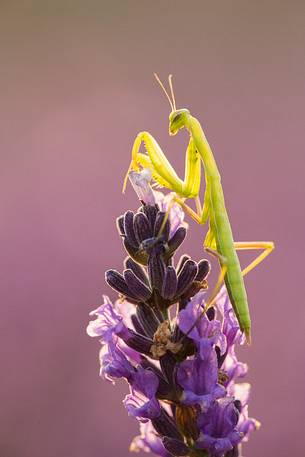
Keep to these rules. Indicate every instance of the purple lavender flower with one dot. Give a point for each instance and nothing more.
(230, 327)
(218, 432)
(204, 329)
(199, 378)
(182, 372)
(114, 363)
(142, 402)
(246, 424)
(107, 323)
(140, 181)
(148, 441)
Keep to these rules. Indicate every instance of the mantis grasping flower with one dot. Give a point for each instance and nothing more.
(219, 239)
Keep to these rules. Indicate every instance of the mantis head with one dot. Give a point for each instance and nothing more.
(178, 118)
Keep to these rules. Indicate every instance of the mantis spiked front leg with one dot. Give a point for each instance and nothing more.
(219, 236)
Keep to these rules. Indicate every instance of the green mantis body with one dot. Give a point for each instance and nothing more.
(219, 237)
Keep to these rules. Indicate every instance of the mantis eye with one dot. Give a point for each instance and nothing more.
(176, 117)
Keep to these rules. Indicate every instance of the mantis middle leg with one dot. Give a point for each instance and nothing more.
(202, 217)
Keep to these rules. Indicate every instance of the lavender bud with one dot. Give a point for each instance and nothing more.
(120, 225)
(137, 287)
(137, 325)
(156, 270)
(176, 240)
(115, 280)
(170, 283)
(175, 447)
(181, 262)
(186, 276)
(147, 319)
(137, 269)
(203, 270)
(139, 343)
(151, 214)
(129, 229)
(141, 227)
(158, 225)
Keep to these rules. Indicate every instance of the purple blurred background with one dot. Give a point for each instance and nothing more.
(76, 86)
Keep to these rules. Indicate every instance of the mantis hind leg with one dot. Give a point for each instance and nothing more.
(267, 247)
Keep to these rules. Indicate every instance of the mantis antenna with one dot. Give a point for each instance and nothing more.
(172, 101)
(170, 82)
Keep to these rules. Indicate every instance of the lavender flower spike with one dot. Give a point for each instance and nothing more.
(183, 372)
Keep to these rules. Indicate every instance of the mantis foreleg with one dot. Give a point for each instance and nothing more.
(161, 168)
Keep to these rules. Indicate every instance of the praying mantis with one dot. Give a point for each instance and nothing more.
(219, 238)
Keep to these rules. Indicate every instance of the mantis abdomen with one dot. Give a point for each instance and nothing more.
(225, 247)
